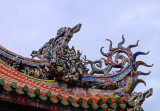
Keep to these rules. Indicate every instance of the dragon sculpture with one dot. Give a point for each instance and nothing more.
(67, 66)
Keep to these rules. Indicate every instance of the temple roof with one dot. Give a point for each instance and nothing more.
(13, 80)
(62, 78)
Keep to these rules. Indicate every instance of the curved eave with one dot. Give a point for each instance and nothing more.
(14, 81)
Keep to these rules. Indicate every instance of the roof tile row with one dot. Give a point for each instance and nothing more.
(16, 80)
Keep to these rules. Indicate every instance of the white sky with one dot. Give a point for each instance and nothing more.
(25, 25)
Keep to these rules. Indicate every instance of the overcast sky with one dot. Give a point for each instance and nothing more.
(25, 25)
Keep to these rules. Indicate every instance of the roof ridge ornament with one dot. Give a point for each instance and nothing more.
(67, 66)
